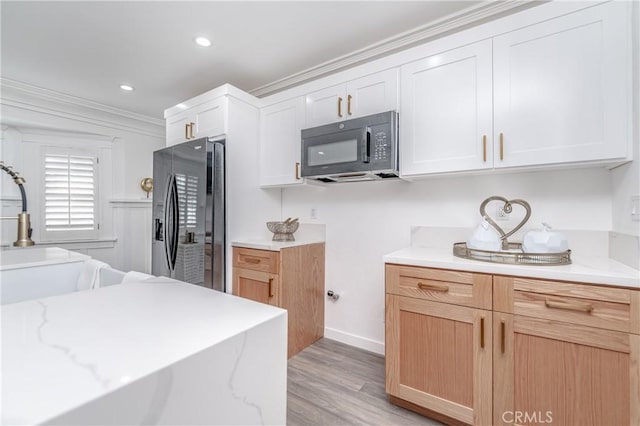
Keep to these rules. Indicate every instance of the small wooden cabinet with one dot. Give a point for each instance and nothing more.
(565, 353)
(292, 279)
(367, 95)
(489, 349)
(438, 343)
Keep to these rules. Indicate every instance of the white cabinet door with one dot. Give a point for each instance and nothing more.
(178, 128)
(210, 118)
(280, 127)
(364, 96)
(325, 106)
(446, 106)
(373, 94)
(562, 89)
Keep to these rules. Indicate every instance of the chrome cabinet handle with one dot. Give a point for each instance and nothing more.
(297, 171)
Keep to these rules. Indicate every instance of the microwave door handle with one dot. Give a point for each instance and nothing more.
(366, 154)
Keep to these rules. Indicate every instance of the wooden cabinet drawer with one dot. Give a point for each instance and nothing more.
(257, 260)
(590, 305)
(440, 285)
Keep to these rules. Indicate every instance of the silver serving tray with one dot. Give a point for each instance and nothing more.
(513, 256)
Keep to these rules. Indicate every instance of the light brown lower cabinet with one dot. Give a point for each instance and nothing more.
(438, 356)
(565, 353)
(545, 352)
(292, 279)
(549, 372)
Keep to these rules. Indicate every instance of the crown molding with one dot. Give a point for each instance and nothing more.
(473, 15)
(25, 96)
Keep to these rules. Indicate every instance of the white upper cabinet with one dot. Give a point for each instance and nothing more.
(446, 107)
(205, 120)
(325, 106)
(562, 89)
(178, 127)
(372, 94)
(280, 126)
(364, 96)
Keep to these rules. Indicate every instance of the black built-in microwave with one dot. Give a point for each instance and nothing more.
(364, 148)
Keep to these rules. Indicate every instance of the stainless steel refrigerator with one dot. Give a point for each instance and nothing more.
(189, 213)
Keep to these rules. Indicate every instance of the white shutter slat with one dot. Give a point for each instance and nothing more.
(69, 193)
(188, 199)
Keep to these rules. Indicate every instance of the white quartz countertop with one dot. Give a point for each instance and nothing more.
(37, 256)
(273, 245)
(61, 352)
(595, 270)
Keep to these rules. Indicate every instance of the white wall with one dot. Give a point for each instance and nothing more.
(366, 220)
(625, 181)
(131, 139)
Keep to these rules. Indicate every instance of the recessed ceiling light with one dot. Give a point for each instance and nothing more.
(202, 41)
(126, 88)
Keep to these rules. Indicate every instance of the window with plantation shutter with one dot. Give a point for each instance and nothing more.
(187, 199)
(70, 195)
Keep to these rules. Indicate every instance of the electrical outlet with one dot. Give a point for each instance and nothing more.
(501, 214)
(314, 213)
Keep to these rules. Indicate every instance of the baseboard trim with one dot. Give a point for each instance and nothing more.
(353, 340)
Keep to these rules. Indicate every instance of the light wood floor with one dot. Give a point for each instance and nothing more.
(331, 383)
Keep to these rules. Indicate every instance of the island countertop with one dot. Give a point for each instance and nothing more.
(593, 270)
(29, 257)
(62, 352)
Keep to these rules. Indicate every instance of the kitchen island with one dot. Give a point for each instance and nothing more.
(158, 352)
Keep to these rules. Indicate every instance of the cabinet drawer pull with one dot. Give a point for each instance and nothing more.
(270, 287)
(434, 287)
(191, 130)
(482, 332)
(339, 106)
(297, 171)
(252, 260)
(503, 333)
(569, 306)
(501, 146)
(349, 104)
(484, 148)
(186, 131)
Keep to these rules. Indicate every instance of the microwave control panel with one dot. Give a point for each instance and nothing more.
(380, 146)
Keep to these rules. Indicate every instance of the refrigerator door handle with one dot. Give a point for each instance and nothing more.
(167, 222)
(175, 228)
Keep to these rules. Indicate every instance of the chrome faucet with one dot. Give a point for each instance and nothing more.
(24, 222)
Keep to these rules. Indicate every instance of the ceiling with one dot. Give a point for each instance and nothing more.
(87, 49)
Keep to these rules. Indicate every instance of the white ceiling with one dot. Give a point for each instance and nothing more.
(87, 49)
